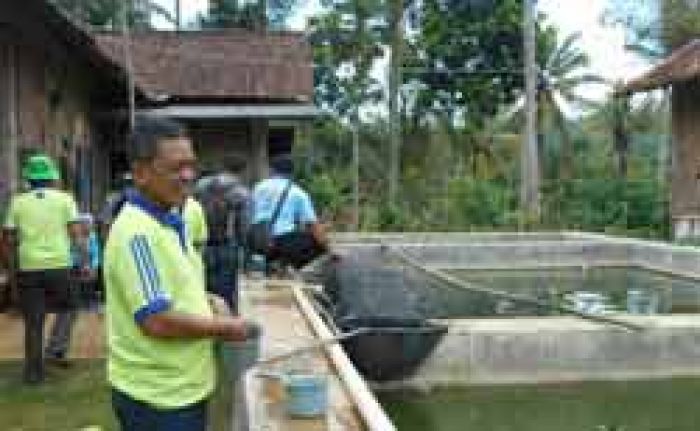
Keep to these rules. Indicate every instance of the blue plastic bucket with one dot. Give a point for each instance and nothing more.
(307, 395)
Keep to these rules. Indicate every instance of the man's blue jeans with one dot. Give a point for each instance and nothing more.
(221, 262)
(134, 415)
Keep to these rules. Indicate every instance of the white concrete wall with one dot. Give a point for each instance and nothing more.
(535, 350)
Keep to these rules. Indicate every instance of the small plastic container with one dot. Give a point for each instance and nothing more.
(240, 356)
(641, 302)
(306, 394)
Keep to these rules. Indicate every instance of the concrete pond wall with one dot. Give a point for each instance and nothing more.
(556, 348)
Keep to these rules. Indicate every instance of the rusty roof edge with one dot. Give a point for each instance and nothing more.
(669, 71)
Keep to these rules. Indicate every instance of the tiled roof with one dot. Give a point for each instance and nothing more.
(229, 64)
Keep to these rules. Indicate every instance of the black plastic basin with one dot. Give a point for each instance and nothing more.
(394, 348)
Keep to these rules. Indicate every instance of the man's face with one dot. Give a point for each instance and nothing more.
(168, 178)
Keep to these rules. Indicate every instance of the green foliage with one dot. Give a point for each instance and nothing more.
(655, 27)
(478, 203)
(270, 14)
(330, 192)
(442, 191)
(459, 167)
(608, 204)
(467, 60)
(681, 22)
(346, 43)
(107, 14)
(232, 14)
(640, 19)
(69, 400)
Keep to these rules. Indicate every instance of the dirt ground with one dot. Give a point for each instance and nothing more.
(88, 336)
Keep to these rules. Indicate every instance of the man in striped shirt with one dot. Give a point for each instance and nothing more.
(160, 321)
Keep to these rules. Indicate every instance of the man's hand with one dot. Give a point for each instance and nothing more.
(237, 329)
(218, 305)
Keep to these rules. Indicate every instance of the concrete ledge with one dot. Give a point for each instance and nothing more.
(285, 328)
(536, 350)
(528, 250)
(289, 321)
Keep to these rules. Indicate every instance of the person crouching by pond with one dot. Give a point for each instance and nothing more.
(297, 236)
(41, 224)
(160, 321)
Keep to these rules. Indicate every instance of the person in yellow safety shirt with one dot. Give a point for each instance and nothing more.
(160, 322)
(40, 226)
(195, 223)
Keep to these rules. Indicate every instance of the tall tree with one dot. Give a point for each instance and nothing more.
(561, 70)
(347, 41)
(258, 15)
(467, 60)
(530, 169)
(396, 39)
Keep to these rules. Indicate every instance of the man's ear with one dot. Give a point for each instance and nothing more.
(140, 172)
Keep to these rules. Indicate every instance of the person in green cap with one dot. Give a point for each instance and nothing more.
(39, 229)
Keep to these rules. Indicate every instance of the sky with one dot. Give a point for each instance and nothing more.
(604, 45)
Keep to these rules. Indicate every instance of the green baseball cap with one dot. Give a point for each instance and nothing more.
(40, 167)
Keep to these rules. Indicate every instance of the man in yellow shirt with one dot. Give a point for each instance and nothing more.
(160, 321)
(195, 223)
(39, 228)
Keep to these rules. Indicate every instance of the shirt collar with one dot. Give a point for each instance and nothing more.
(170, 218)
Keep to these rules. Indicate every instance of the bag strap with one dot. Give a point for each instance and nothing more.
(278, 208)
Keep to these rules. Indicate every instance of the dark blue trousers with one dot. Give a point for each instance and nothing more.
(221, 262)
(135, 415)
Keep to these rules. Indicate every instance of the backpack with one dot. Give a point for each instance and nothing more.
(260, 239)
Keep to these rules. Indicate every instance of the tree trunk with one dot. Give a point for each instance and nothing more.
(261, 22)
(566, 156)
(620, 135)
(396, 29)
(178, 15)
(529, 196)
(356, 170)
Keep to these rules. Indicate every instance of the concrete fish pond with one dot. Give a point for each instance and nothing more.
(567, 307)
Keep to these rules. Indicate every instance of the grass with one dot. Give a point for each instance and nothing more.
(69, 400)
(663, 405)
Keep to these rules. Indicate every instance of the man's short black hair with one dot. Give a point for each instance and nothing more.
(148, 132)
(282, 164)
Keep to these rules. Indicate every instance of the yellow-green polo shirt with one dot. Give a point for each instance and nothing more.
(148, 269)
(195, 221)
(41, 219)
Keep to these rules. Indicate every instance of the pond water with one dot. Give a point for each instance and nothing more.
(596, 290)
(669, 405)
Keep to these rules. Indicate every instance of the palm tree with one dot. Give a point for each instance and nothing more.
(560, 73)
